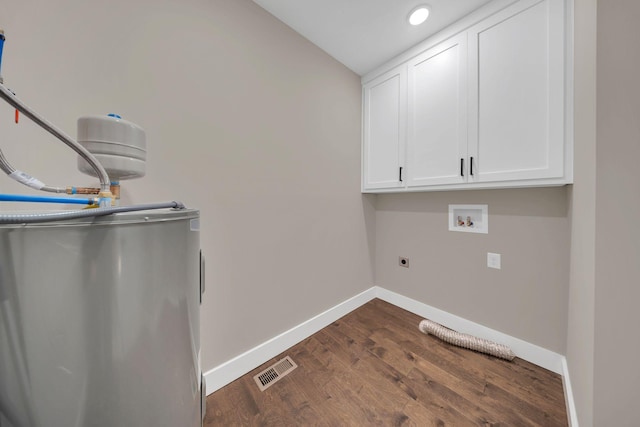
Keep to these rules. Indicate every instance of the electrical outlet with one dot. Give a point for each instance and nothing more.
(493, 260)
(403, 262)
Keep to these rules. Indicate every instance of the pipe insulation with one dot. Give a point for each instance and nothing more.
(465, 340)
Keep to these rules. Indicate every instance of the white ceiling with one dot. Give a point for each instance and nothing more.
(363, 34)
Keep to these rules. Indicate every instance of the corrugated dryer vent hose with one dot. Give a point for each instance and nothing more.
(466, 341)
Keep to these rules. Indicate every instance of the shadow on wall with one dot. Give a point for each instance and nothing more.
(541, 202)
(369, 213)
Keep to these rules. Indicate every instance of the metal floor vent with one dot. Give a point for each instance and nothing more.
(273, 374)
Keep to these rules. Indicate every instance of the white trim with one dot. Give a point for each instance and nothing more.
(233, 369)
(525, 183)
(524, 350)
(569, 90)
(572, 414)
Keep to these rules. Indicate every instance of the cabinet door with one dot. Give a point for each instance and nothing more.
(437, 140)
(516, 93)
(384, 134)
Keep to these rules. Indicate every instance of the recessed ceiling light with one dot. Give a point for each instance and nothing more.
(419, 15)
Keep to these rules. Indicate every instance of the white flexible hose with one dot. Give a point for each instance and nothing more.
(466, 341)
(7, 95)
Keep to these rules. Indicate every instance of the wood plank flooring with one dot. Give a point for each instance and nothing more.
(374, 368)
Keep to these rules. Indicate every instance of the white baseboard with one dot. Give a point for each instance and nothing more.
(524, 350)
(233, 369)
(572, 414)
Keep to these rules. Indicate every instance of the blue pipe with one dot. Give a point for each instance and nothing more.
(41, 199)
(1, 46)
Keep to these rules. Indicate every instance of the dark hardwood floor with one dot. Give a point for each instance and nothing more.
(374, 368)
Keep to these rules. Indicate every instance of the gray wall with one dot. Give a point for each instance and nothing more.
(527, 298)
(245, 120)
(580, 338)
(617, 267)
(260, 129)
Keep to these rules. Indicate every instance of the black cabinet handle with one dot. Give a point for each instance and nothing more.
(400, 176)
(461, 167)
(471, 165)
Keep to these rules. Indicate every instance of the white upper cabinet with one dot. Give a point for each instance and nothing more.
(437, 138)
(485, 104)
(384, 129)
(516, 96)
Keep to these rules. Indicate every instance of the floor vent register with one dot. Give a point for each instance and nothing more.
(274, 373)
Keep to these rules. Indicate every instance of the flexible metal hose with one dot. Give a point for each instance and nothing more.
(12, 100)
(4, 164)
(466, 341)
(33, 218)
(9, 170)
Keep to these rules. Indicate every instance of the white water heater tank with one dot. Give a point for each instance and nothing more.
(120, 146)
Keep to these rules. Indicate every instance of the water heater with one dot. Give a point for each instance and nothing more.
(99, 322)
(99, 307)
